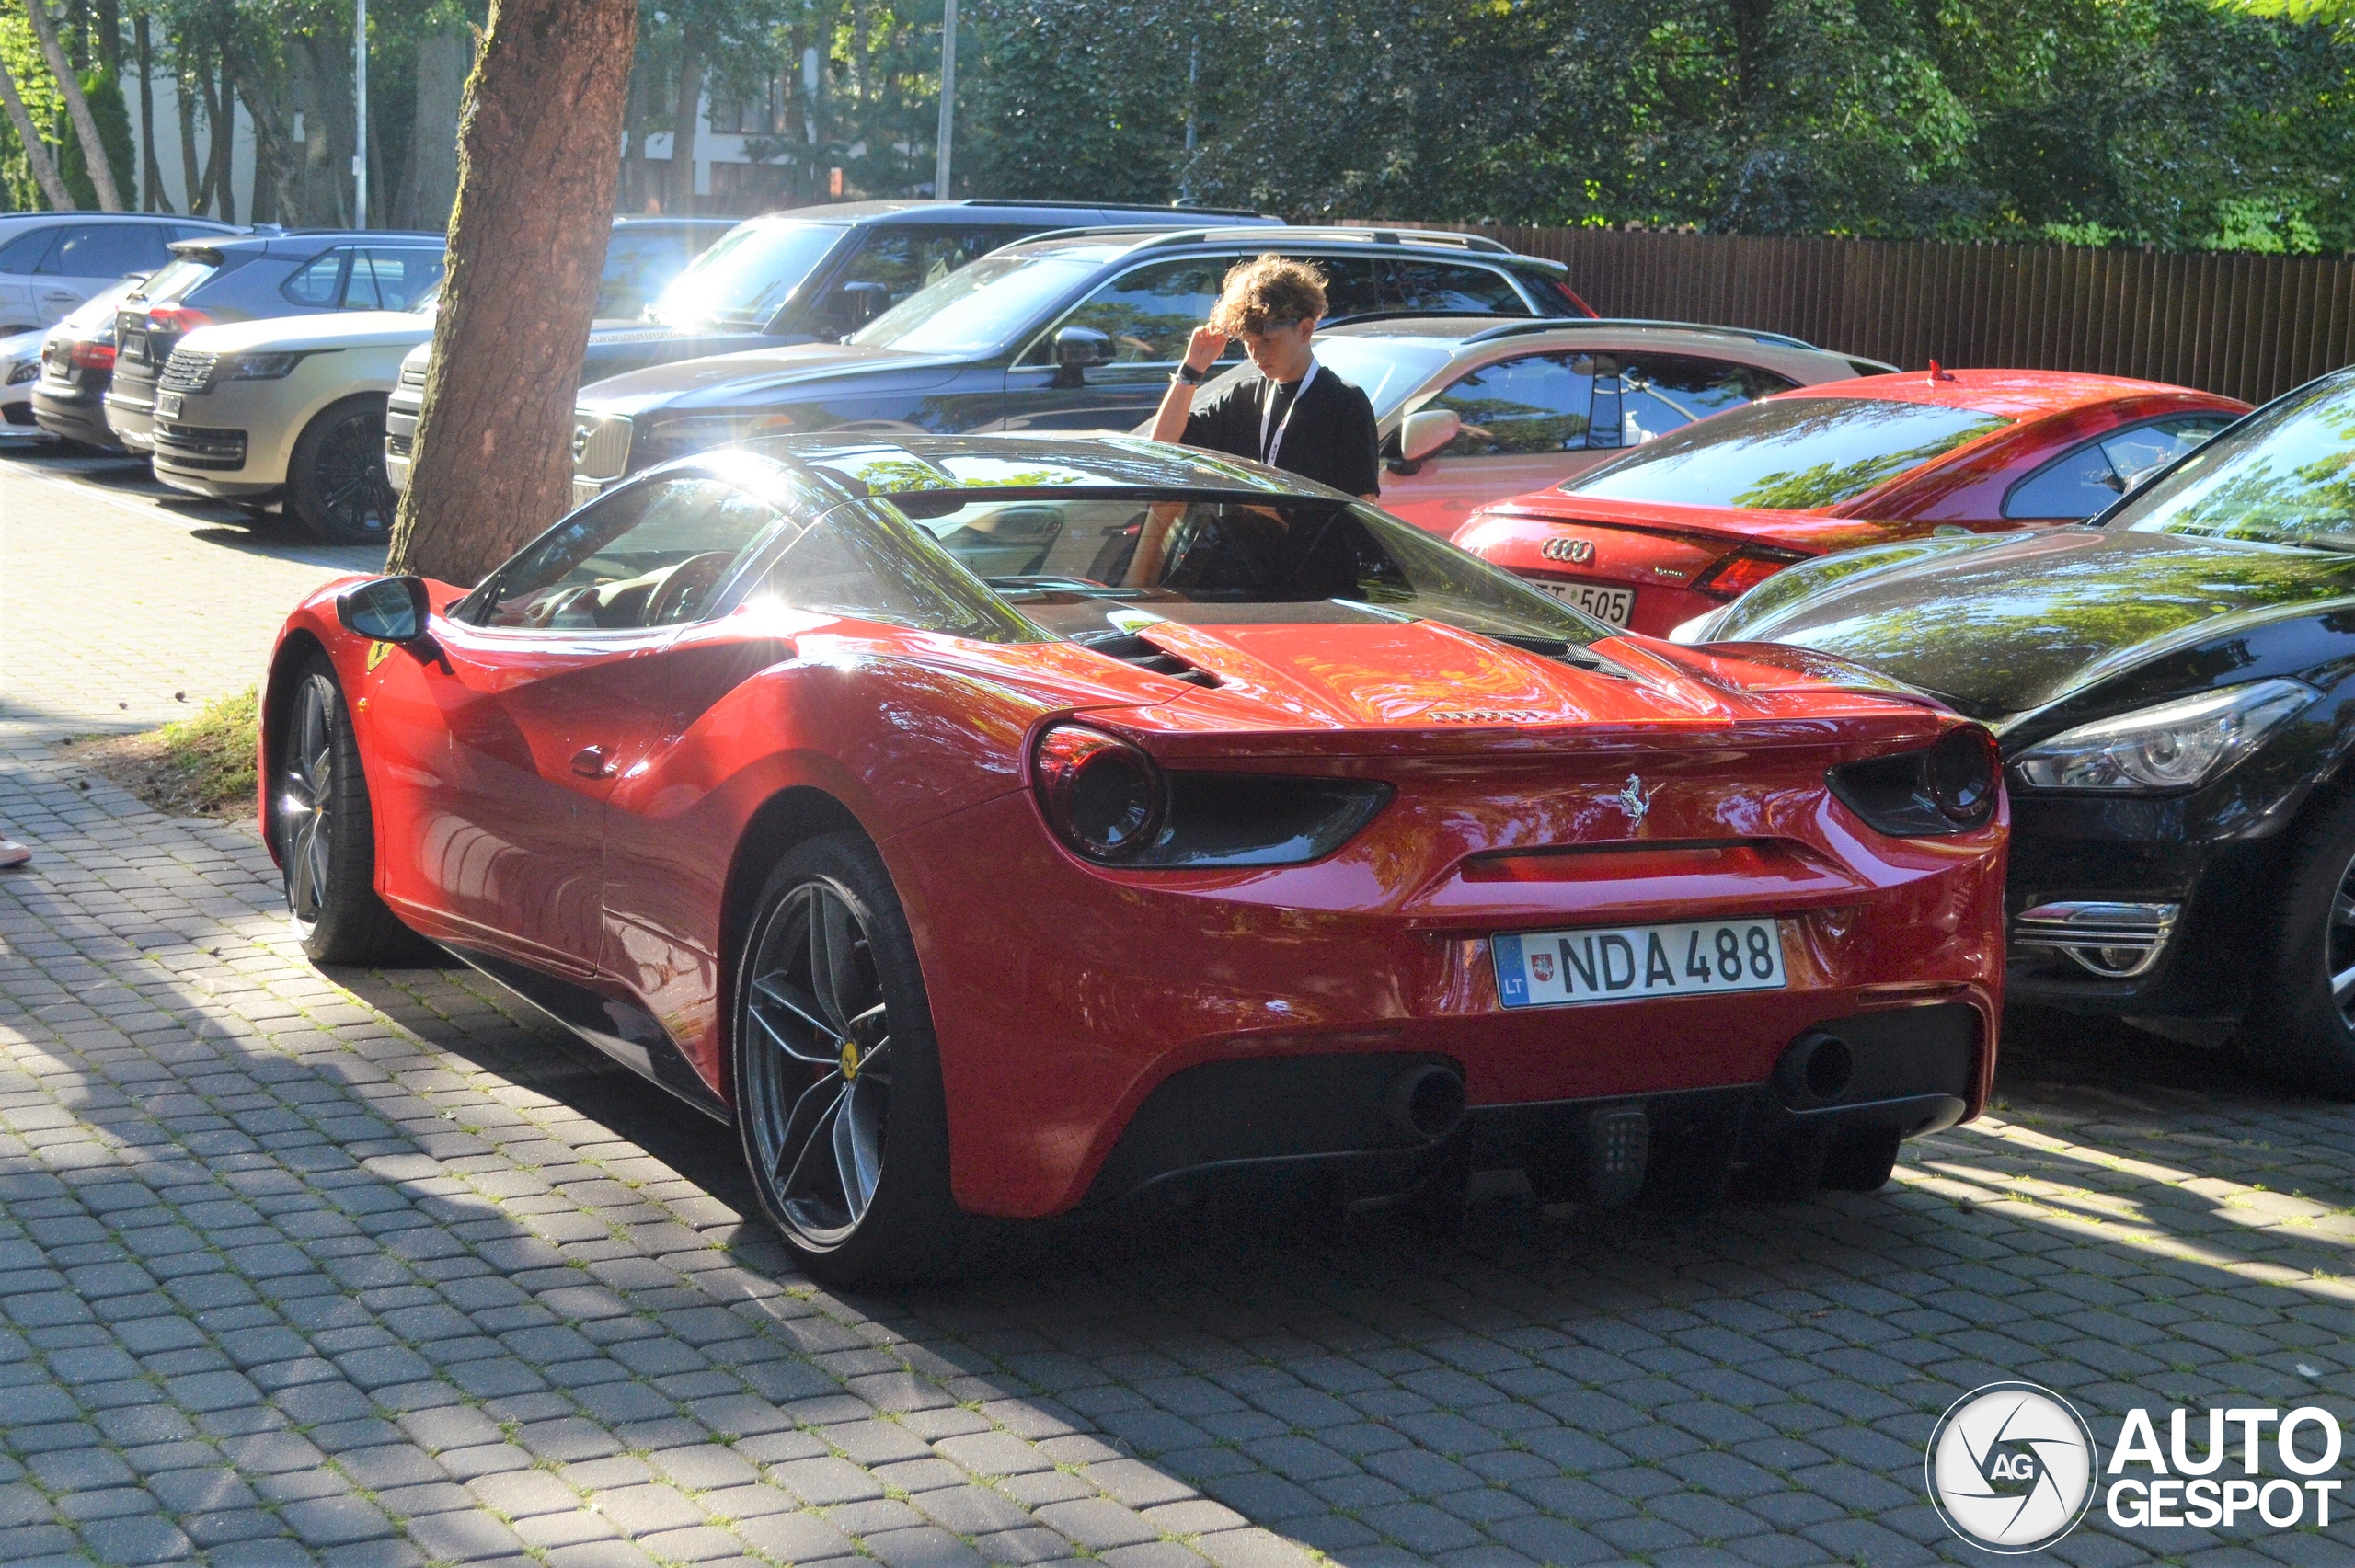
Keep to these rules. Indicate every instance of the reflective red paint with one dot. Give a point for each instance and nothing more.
(592, 810)
(1683, 561)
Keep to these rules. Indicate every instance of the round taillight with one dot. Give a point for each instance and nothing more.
(1102, 796)
(1965, 769)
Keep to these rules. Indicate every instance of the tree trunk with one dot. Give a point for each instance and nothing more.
(539, 146)
(196, 181)
(37, 157)
(442, 60)
(69, 88)
(221, 163)
(684, 124)
(275, 161)
(151, 169)
(110, 36)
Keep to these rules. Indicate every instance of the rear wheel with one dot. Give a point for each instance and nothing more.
(2301, 1028)
(839, 1103)
(336, 482)
(326, 836)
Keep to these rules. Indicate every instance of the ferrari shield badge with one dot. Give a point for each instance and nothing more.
(378, 653)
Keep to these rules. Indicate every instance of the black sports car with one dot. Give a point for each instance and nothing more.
(2174, 684)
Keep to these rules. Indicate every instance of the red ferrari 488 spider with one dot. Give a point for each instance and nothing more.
(1686, 522)
(996, 825)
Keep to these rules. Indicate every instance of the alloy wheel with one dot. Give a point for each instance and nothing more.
(306, 802)
(2338, 946)
(352, 487)
(819, 1089)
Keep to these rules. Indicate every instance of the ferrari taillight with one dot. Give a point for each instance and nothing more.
(1737, 574)
(94, 356)
(1102, 796)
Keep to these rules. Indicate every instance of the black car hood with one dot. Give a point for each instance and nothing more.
(726, 381)
(2005, 627)
(616, 346)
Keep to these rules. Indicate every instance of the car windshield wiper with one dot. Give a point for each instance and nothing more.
(1033, 588)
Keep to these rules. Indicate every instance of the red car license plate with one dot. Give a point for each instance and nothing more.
(1611, 605)
(1556, 968)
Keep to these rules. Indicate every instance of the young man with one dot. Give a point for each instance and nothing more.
(1294, 414)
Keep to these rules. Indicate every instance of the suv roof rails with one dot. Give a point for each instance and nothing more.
(1105, 206)
(1481, 243)
(1158, 234)
(1777, 339)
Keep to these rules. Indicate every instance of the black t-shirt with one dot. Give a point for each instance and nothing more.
(1329, 438)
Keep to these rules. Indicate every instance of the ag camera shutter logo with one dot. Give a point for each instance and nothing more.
(2010, 1467)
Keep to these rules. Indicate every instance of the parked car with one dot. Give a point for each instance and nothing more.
(53, 262)
(644, 254)
(20, 367)
(1074, 332)
(992, 826)
(76, 364)
(2172, 686)
(808, 274)
(301, 272)
(1686, 522)
(292, 406)
(1471, 411)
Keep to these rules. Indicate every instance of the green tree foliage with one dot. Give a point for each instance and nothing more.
(107, 109)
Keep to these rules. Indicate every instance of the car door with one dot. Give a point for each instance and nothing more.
(19, 289)
(1524, 426)
(90, 258)
(391, 277)
(506, 746)
(1147, 313)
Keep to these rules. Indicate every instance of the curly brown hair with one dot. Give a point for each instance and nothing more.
(1268, 291)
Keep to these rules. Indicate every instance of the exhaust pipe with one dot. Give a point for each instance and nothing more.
(1426, 1102)
(1816, 1070)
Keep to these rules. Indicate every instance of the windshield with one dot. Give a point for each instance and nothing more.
(744, 278)
(2283, 476)
(1789, 454)
(977, 308)
(1086, 566)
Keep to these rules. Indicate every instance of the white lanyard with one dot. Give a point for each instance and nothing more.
(1268, 411)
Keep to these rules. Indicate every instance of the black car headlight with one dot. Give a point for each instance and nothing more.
(2177, 745)
(274, 366)
(1949, 786)
(1112, 804)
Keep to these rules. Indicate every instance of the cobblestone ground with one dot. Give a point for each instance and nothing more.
(358, 1269)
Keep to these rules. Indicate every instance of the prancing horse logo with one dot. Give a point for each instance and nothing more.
(1635, 799)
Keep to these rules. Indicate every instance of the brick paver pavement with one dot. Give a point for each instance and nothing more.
(358, 1269)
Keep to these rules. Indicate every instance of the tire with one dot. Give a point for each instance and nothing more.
(335, 482)
(325, 833)
(839, 1104)
(1861, 1161)
(2299, 1031)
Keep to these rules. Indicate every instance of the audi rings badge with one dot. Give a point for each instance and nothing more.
(1574, 552)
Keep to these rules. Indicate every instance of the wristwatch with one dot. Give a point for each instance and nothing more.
(1187, 374)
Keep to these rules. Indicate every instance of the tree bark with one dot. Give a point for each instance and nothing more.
(684, 123)
(442, 62)
(151, 169)
(196, 183)
(37, 157)
(275, 162)
(110, 36)
(69, 88)
(220, 162)
(539, 146)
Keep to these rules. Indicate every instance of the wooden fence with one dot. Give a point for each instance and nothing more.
(2248, 325)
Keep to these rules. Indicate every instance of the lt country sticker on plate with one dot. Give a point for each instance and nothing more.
(1556, 968)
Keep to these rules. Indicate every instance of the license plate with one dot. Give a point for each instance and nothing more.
(1555, 968)
(1612, 605)
(167, 405)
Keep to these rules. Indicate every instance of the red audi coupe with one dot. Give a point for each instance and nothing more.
(1688, 521)
(992, 826)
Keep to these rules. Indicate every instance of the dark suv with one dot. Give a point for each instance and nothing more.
(1066, 332)
(299, 272)
(810, 273)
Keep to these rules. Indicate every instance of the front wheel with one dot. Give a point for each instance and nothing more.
(2301, 1028)
(334, 483)
(325, 832)
(839, 1103)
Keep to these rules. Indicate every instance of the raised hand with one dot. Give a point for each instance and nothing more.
(1204, 349)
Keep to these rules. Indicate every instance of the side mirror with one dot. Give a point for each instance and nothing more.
(1076, 348)
(388, 609)
(865, 301)
(1422, 434)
